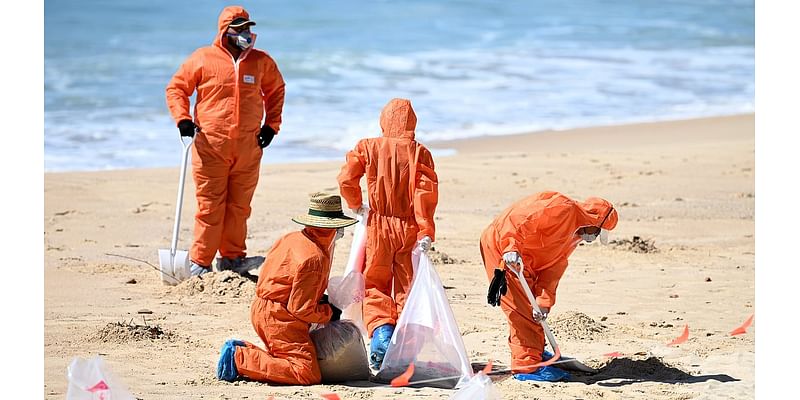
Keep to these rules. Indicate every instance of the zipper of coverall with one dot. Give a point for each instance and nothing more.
(236, 91)
(236, 62)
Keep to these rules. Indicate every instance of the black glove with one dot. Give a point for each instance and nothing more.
(335, 312)
(265, 136)
(497, 288)
(187, 127)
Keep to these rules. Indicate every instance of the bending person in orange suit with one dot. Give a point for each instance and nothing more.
(237, 87)
(289, 298)
(403, 192)
(540, 231)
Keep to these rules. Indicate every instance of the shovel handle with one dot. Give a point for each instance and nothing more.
(535, 307)
(187, 144)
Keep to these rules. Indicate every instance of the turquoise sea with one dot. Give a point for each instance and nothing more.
(470, 68)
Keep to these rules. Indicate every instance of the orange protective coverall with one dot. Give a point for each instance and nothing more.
(541, 228)
(232, 96)
(403, 192)
(290, 286)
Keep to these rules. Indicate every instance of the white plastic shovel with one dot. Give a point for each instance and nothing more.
(562, 361)
(174, 263)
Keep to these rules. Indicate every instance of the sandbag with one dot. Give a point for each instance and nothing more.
(341, 352)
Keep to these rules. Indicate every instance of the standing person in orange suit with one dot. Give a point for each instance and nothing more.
(539, 232)
(403, 192)
(289, 298)
(237, 88)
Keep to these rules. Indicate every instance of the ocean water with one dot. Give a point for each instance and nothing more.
(471, 68)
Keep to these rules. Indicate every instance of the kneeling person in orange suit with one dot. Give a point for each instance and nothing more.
(289, 298)
(539, 232)
(403, 192)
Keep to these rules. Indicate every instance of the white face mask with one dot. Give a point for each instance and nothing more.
(603, 236)
(243, 40)
(588, 238)
(339, 234)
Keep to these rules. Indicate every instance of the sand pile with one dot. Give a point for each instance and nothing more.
(217, 284)
(637, 245)
(576, 326)
(651, 369)
(126, 332)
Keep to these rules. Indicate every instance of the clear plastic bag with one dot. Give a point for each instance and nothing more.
(341, 352)
(479, 387)
(346, 291)
(351, 294)
(92, 380)
(427, 335)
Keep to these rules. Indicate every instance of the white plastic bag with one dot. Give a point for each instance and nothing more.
(353, 277)
(346, 291)
(92, 380)
(479, 387)
(427, 335)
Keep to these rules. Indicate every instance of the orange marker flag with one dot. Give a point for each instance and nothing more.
(402, 380)
(488, 368)
(330, 396)
(743, 329)
(614, 354)
(682, 338)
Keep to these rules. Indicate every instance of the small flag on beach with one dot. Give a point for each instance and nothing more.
(613, 354)
(98, 387)
(402, 380)
(743, 329)
(682, 338)
(488, 368)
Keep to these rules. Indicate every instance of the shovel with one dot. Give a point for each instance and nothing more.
(174, 263)
(562, 361)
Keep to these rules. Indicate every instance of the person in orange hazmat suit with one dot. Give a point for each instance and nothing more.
(289, 298)
(402, 188)
(237, 87)
(538, 232)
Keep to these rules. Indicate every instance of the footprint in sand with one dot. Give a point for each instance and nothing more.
(63, 213)
(145, 207)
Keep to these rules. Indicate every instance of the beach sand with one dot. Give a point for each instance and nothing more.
(686, 189)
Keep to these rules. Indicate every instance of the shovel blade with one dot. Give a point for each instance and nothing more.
(574, 365)
(173, 270)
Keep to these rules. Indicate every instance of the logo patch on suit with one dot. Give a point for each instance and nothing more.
(249, 79)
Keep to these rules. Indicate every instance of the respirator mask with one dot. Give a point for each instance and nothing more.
(243, 40)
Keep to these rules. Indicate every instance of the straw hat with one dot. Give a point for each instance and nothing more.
(325, 211)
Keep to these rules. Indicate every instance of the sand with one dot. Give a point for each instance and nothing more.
(683, 255)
